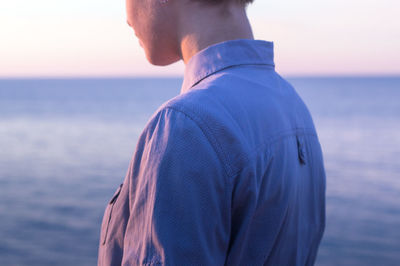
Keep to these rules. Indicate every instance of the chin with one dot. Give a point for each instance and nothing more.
(162, 58)
(159, 61)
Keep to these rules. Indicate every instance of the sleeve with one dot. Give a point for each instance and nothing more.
(180, 212)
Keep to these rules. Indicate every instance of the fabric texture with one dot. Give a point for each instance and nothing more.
(229, 172)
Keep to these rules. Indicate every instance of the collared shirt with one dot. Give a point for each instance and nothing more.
(229, 172)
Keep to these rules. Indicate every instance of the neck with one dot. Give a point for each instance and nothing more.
(212, 26)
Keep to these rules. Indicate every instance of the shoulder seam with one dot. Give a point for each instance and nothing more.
(211, 139)
(272, 139)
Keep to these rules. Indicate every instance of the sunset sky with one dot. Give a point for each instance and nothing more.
(74, 38)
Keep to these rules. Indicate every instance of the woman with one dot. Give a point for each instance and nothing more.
(231, 170)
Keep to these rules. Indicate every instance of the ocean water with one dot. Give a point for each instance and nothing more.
(65, 145)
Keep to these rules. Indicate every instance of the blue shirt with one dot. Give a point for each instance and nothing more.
(229, 172)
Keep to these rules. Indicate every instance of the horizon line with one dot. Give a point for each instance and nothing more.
(290, 76)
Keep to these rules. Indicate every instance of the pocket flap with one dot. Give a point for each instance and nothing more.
(116, 194)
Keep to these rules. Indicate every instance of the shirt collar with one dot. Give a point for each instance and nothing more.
(226, 54)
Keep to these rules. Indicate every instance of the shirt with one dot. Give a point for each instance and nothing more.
(228, 172)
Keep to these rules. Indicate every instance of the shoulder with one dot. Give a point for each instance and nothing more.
(174, 136)
(193, 107)
(204, 108)
(178, 112)
(188, 118)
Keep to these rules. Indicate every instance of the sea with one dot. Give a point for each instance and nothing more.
(65, 146)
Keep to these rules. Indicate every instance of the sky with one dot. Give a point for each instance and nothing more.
(75, 38)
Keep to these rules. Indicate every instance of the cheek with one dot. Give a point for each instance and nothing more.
(130, 10)
(135, 10)
(139, 15)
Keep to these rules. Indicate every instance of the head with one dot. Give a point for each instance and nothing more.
(162, 25)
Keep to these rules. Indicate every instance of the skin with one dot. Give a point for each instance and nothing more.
(178, 29)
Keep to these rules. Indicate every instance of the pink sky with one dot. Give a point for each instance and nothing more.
(72, 38)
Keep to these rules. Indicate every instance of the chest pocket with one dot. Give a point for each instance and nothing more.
(107, 216)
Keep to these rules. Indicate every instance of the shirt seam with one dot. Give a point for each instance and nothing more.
(201, 76)
(229, 172)
(271, 140)
(211, 139)
(214, 142)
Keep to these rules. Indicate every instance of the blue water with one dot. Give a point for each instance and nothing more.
(65, 146)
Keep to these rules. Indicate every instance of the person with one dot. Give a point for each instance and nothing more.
(228, 172)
